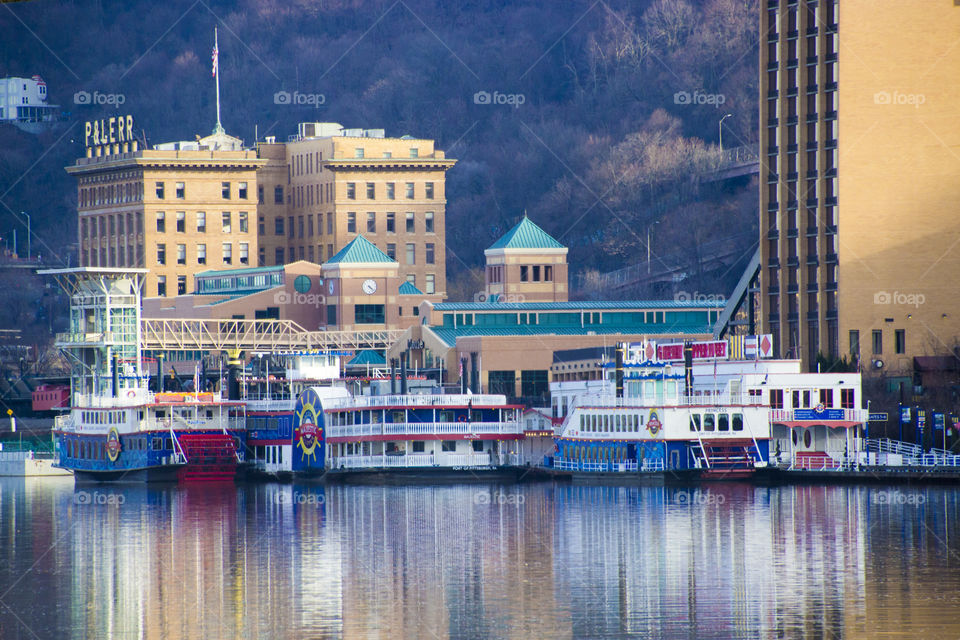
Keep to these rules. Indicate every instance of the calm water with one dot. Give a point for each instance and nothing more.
(498, 561)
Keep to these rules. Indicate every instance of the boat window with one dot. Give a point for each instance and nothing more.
(478, 446)
(807, 438)
(448, 445)
(738, 422)
(709, 422)
(723, 421)
(419, 446)
(695, 422)
(606, 423)
(398, 416)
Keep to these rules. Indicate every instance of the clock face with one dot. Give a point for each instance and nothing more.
(369, 286)
(330, 287)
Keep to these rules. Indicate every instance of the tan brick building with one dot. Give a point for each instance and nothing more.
(860, 178)
(184, 208)
(175, 211)
(526, 265)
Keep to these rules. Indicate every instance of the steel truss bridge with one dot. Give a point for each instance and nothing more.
(256, 335)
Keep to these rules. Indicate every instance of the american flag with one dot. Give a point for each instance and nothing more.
(216, 55)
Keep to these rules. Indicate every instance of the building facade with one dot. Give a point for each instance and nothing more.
(23, 103)
(860, 179)
(176, 210)
(183, 208)
(526, 265)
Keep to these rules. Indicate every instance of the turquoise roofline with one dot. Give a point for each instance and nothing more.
(237, 272)
(360, 250)
(526, 235)
(587, 305)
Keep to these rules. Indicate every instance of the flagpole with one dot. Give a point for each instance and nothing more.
(216, 74)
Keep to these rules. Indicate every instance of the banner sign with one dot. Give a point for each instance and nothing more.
(814, 414)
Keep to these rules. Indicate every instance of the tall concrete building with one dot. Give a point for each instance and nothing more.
(860, 178)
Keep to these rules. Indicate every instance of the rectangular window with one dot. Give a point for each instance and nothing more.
(854, 343)
(391, 223)
(278, 255)
(694, 422)
(411, 253)
(412, 279)
(358, 152)
(409, 191)
(409, 223)
(227, 253)
(371, 222)
(181, 191)
(244, 253)
(548, 274)
(429, 253)
(776, 398)
(536, 273)
(201, 222)
(181, 221)
(723, 422)
(162, 286)
(371, 191)
(201, 254)
(244, 222)
(738, 422)
(368, 314)
(428, 222)
(431, 284)
(181, 285)
(331, 314)
(161, 221)
(161, 254)
(260, 194)
(242, 191)
(448, 446)
(290, 229)
(181, 254)
(392, 250)
(159, 187)
(826, 397)
(524, 273)
(428, 189)
(877, 341)
(351, 222)
(278, 226)
(310, 226)
(225, 190)
(278, 195)
(391, 191)
(900, 338)
(414, 152)
(300, 226)
(225, 225)
(329, 223)
(351, 191)
(846, 399)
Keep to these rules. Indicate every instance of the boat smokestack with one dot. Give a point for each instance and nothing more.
(159, 373)
(115, 364)
(233, 375)
(403, 375)
(618, 369)
(393, 376)
(688, 368)
(463, 375)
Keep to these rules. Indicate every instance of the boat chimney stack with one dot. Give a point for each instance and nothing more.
(403, 375)
(115, 364)
(688, 369)
(618, 369)
(393, 376)
(159, 373)
(233, 375)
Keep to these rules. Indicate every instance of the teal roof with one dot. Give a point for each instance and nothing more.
(360, 250)
(591, 305)
(238, 272)
(368, 356)
(449, 335)
(526, 235)
(408, 289)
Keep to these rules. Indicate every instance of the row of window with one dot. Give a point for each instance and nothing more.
(180, 190)
(716, 422)
(409, 190)
(391, 222)
(312, 162)
(811, 398)
(616, 423)
(226, 253)
(899, 341)
(226, 222)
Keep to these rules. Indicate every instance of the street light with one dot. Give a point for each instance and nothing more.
(29, 247)
(648, 245)
(721, 129)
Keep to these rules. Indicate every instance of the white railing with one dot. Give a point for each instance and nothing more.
(886, 445)
(590, 466)
(271, 405)
(660, 401)
(423, 428)
(415, 400)
(653, 465)
(412, 460)
(820, 463)
(788, 415)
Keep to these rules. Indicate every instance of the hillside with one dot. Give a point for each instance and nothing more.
(594, 118)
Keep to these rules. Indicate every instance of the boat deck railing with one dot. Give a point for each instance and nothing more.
(564, 464)
(416, 400)
(412, 460)
(423, 428)
(664, 401)
(886, 445)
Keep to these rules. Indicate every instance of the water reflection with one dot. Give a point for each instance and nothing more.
(497, 561)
